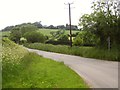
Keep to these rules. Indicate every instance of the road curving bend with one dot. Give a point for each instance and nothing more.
(97, 73)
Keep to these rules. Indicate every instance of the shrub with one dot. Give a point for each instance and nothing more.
(15, 35)
(23, 40)
(57, 42)
(18, 31)
(78, 41)
(34, 36)
(85, 38)
(64, 38)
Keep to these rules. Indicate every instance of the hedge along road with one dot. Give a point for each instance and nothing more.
(97, 73)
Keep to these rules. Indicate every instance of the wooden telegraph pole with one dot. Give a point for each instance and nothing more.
(69, 4)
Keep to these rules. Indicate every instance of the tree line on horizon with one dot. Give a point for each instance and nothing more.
(39, 25)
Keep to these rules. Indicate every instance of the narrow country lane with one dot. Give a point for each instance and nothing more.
(97, 73)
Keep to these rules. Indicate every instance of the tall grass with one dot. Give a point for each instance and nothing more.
(89, 52)
(22, 69)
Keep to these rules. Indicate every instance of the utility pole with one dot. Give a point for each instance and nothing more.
(69, 4)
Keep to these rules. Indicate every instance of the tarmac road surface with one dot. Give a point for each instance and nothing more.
(97, 73)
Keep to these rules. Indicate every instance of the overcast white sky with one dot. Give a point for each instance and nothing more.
(50, 12)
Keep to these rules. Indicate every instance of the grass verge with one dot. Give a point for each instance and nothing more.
(90, 52)
(30, 70)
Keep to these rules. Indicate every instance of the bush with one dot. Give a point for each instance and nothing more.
(15, 35)
(34, 36)
(23, 40)
(54, 42)
(18, 31)
(62, 40)
(85, 38)
(78, 41)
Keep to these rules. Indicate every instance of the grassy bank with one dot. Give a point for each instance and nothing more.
(22, 69)
(90, 52)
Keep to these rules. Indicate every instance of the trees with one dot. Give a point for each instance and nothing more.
(34, 36)
(103, 22)
(58, 37)
(63, 38)
(27, 28)
(61, 27)
(38, 24)
(57, 34)
(85, 38)
(73, 27)
(15, 35)
(8, 28)
(18, 31)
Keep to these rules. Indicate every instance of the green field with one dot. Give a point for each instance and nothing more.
(5, 33)
(43, 31)
(47, 31)
(22, 69)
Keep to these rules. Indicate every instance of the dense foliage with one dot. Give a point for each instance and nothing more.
(34, 37)
(19, 31)
(85, 38)
(103, 22)
(58, 37)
